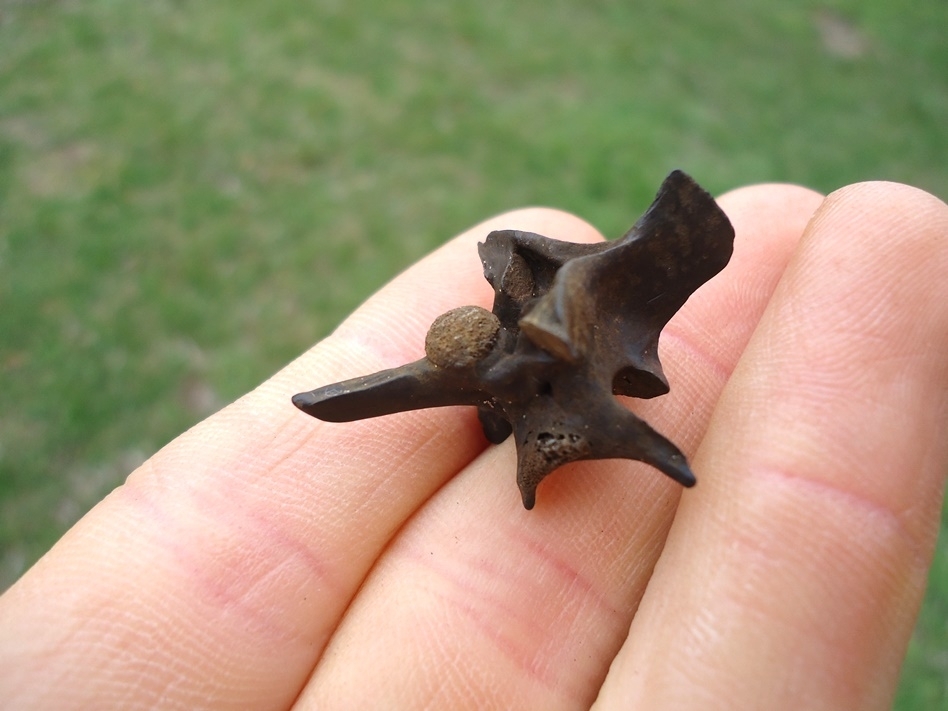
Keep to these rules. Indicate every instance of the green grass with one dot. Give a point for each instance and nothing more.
(192, 193)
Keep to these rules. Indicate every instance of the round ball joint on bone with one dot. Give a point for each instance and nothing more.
(460, 337)
(572, 326)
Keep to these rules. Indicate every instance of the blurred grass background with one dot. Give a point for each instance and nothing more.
(192, 193)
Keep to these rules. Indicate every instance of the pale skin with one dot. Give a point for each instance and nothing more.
(267, 560)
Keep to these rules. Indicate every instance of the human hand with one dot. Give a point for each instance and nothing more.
(266, 560)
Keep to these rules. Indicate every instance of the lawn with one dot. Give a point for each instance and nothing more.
(193, 193)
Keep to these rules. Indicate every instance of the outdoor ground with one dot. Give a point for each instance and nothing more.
(192, 193)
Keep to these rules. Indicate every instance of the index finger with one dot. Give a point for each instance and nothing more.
(216, 574)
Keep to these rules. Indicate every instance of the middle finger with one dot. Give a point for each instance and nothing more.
(478, 602)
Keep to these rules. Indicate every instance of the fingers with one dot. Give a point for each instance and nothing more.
(215, 575)
(793, 576)
(479, 603)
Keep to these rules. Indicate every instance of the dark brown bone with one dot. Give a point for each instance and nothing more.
(572, 326)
